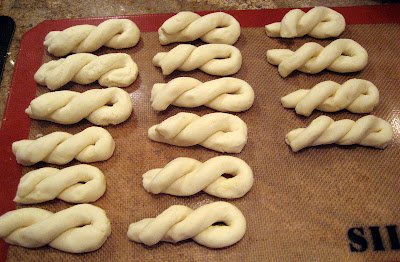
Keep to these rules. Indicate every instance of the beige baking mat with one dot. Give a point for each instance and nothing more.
(301, 205)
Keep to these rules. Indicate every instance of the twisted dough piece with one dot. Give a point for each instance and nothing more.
(116, 69)
(91, 145)
(366, 131)
(356, 95)
(222, 94)
(319, 22)
(78, 229)
(100, 106)
(75, 184)
(179, 223)
(113, 33)
(185, 176)
(341, 55)
(217, 131)
(214, 59)
(214, 28)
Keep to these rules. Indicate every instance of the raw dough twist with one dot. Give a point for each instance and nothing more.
(214, 28)
(341, 55)
(356, 95)
(78, 229)
(100, 106)
(117, 69)
(91, 145)
(179, 223)
(222, 94)
(113, 33)
(214, 59)
(75, 184)
(217, 131)
(185, 176)
(319, 22)
(367, 131)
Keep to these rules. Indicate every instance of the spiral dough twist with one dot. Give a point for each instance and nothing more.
(118, 70)
(113, 33)
(185, 176)
(100, 106)
(179, 223)
(78, 229)
(91, 145)
(75, 184)
(223, 94)
(341, 55)
(217, 131)
(214, 59)
(367, 131)
(214, 28)
(356, 95)
(319, 22)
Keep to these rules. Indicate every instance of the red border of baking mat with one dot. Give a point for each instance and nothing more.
(16, 123)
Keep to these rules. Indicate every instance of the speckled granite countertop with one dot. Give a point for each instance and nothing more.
(27, 14)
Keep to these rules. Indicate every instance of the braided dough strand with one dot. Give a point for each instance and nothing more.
(356, 95)
(111, 70)
(367, 131)
(225, 94)
(214, 59)
(179, 223)
(113, 33)
(341, 55)
(100, 106)
(78, 229)
(214, 28)
(217, 131)
(185, 176)
(75, 184)
(319, 22)
(91, 145)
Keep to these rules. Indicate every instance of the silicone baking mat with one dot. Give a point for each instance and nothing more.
(323, 203)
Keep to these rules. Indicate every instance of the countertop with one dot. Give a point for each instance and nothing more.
(28, 14)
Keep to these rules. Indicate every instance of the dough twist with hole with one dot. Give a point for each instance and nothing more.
(111, 70)
(113, 33)
(100, 106)
(185, 176)
(90, 145)
(341, 55)
(225, 94)
(217, 131)
(356, 95)
(319, 22)
(74, 184)
(214, 28)
(367, 131)
(78, 229)
(179, 223)
(214, 59)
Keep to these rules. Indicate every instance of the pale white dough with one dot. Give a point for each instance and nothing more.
(217, 131)
(100, 106)
(113, 33)
(366, 131)
(226, 94)
(78, 229)
(110, 70)
(179, 223)
(185, 176)
(74, 184)
(91, 145)
(341, 55)
(214, 28)
(214, 59)
(319, 22)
